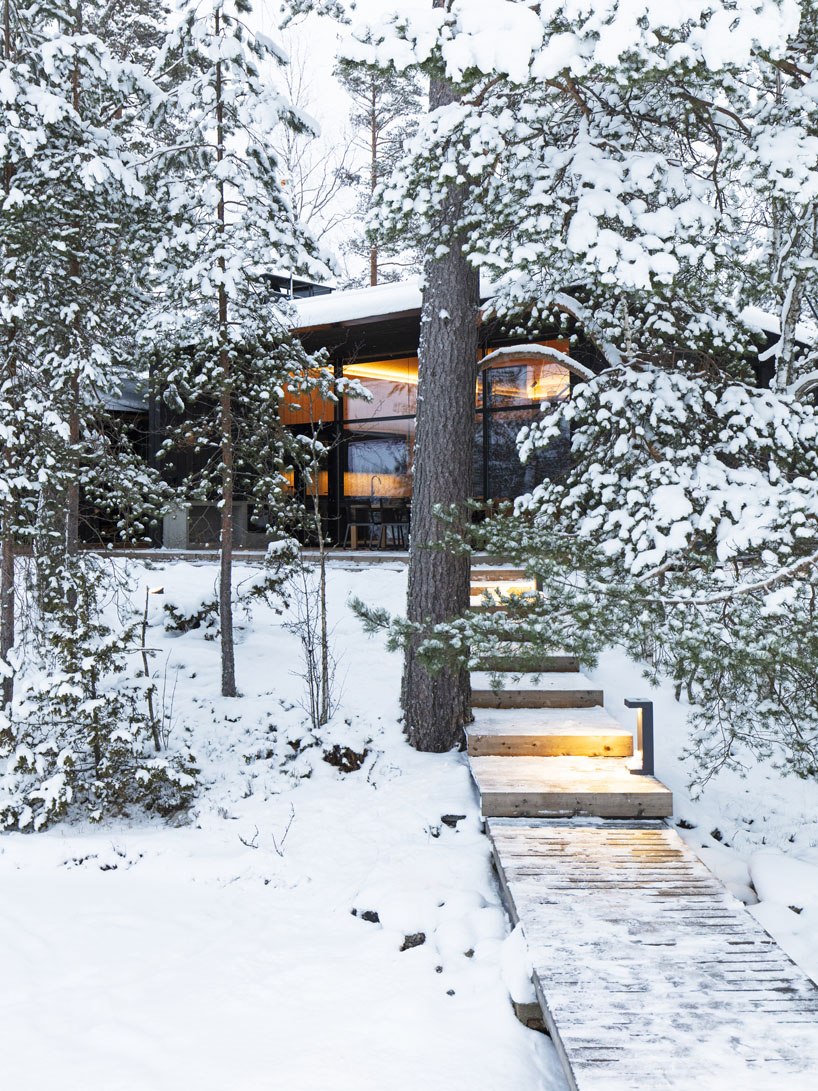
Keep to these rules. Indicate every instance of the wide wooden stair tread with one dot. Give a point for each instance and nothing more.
(548, 689)
(548, 732)
(562, 787)
(511, 657)
(489, 576)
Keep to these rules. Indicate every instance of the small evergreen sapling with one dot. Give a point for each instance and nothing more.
(79, 739)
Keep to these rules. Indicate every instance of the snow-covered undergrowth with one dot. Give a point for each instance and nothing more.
(223, 953)
(757, 831)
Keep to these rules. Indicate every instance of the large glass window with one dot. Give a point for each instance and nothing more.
(525, 383)
(379, 435)
(393, 385)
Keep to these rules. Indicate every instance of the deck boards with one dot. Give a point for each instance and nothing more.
(650, 974)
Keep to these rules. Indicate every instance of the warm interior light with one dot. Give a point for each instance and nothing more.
(156, 590)
(360, 484)
(392, 371)
(323, 480)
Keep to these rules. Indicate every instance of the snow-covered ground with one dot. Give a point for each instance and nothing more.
(224, 953)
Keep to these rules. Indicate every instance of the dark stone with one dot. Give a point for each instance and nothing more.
(415, 940)
(451, 820)
(371, 916)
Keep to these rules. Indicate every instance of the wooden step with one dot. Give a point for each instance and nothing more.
(496, 575)
(567, 787)
(512, 631)
(512, 587)
(545, 690)
(479, 606)
(532, 662)
(548, 732)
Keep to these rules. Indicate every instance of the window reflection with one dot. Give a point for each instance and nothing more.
(378, 466)
(393, 385)
(507, 475)
(534, 381)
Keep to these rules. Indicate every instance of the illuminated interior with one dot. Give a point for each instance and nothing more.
(323, 481)
(392, 384)
(378, 485)
(380, 433)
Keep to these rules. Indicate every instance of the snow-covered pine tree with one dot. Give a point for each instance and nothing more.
(590, 151)
(77, 223)
(522, 171)
(686, 526)
(386, 104)
(770, 138)
(224, 357)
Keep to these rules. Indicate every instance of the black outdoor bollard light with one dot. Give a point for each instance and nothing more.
(644, 733)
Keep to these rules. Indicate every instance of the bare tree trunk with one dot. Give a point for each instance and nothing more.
(226, 430)
(7, 602)
(7, 543)
(436, 707)
(72, 512)
(72, 498)
(324, 705)
(373, 181)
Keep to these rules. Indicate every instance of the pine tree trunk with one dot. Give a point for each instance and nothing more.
(373, 182)
(436, 707)
(226, 430)
(7, 544)
(7, 602)
(226, 551)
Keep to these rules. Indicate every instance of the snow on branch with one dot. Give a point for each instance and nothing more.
(581, 313)
(536, 352)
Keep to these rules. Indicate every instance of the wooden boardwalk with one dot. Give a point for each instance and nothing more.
(649, 974)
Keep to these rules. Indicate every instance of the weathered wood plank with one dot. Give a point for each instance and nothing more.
(519, 659)
(547, 732)
(541, 787)
(650, 974)
(542, 690)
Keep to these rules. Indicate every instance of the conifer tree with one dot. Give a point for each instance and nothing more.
(585, 149)
(226, 359)
(77, 225)
(386, 105)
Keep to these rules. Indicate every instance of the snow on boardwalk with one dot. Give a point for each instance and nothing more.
(650, 974)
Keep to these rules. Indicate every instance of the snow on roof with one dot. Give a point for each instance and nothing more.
(771, 323)
(358, 303)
